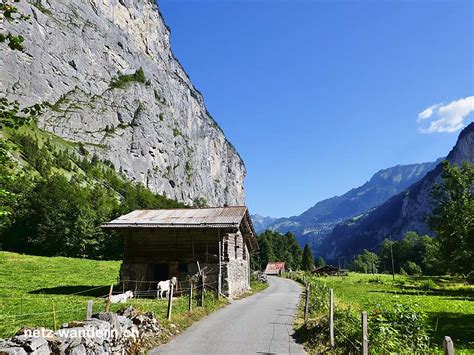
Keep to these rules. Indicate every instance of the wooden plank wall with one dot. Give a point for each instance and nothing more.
(166, 245)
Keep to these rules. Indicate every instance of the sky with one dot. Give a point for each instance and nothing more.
(317, 96)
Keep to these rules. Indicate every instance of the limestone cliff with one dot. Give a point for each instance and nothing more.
(83, 58)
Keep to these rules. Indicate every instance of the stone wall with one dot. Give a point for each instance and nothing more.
(235, 269)
(236, 277)
(106, 333)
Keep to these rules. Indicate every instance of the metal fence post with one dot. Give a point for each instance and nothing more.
(170, 300)
(331, 317)
(202, 288)
(190, 305)
(306, 304)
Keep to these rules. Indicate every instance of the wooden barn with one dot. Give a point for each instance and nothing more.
(275, 268)
(166, 243)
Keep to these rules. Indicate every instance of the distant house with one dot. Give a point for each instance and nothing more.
(329, 270)
(275, 268)
(166, 243)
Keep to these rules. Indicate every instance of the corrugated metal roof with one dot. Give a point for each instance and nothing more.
(275, 267)
(218, 217)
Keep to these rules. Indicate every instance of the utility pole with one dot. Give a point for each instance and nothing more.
(391, 255)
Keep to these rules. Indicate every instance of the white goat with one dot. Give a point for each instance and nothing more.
(121, 298)
(164, 286)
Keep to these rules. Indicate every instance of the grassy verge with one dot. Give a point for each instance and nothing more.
(431, 307)
(30, 286)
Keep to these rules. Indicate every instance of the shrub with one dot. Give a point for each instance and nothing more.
(428, 285)
(123, 80)
(403, 328)
(376, 280)
(412, 268)
(470, 278)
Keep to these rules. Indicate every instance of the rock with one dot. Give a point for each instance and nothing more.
(78, 350)
(13, 350)
(75, 50)
(34, 343)
(89, 337)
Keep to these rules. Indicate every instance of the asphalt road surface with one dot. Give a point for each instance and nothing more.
(259, 324)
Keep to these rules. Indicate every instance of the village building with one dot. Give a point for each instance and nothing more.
(166, 243)
(275, 268)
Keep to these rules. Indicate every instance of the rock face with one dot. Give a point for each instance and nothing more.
(406, 211)
(313, 225)
(83, 57)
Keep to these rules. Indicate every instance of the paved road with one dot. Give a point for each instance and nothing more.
(259, 324)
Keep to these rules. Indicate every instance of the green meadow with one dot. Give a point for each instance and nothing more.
(49, 291)
(447, 303)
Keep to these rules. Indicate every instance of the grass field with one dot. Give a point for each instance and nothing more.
(448, 302)
(30, 286)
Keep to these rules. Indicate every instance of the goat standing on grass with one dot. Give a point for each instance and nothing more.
(165, 286)
(121, 298)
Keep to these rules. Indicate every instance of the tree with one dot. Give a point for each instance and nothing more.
(367, 262)
(453, 216)
(7, 197)
(307, 262)
(294, 251)
(273, 246)
(320, 262)
(421, 250)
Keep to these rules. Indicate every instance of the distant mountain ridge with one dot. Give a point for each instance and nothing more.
(261, 223)
(403, 212)
(317, 222)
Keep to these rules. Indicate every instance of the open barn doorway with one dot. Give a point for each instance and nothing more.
(160, 272)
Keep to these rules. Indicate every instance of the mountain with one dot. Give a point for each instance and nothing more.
(406, 211)
(104, 75)
(313, 225)
(261, 223)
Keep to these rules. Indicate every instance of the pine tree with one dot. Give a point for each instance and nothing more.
(307, 263)
(320, 261)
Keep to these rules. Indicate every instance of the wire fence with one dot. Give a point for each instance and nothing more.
(52, 310)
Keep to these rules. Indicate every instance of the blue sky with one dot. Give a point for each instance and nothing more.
(319, 95)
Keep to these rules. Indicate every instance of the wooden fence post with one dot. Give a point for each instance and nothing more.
(190, 306)
(306, 304)
(448, 346)
(170, 300)
(202, 288)
(90, 303)
(219, 277)
(107, 302)
(331, 317)
(365, 339)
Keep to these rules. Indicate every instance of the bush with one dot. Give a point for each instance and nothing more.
(470, 278)
(412, 268)
(401, 329)
(428, 285)
(123, 80)
(376, 280)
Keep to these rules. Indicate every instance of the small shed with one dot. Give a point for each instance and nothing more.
(275, 268)
(166, 243)
(329, 270)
